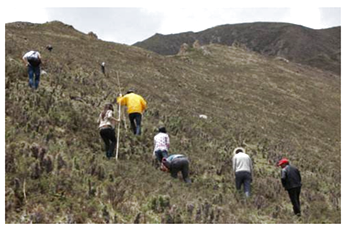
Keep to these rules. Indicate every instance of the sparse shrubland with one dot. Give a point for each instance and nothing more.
(56, 169)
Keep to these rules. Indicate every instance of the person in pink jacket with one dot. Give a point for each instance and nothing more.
(161, 144)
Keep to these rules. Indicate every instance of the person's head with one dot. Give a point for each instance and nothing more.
(283, 162)
(239, 150)
(164, 166)
(162, 129)
(130, 91)
(107, 107)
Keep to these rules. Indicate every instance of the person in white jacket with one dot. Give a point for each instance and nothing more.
(243, 168)
(161, 144)
(106, 127)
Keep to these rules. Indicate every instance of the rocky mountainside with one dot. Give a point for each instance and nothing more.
(56, 170)
(317, 48)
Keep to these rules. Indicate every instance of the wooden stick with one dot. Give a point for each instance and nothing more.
(24, 193)
(119, 124)
(123, 113)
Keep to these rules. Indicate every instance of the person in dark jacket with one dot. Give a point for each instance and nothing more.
(292, 182)
(176, 163)
(49, 48)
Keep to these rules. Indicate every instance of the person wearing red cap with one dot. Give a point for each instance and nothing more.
(292, 182)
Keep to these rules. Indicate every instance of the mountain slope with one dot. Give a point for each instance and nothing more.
(56, 171)
(318, 48)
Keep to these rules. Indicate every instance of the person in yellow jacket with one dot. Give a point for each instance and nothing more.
(136, 105)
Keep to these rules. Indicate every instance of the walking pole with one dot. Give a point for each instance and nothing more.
(118, 132)
(124, 116)
(118, 128)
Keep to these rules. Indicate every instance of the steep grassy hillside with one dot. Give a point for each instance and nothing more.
(317, 48)
(56, 170)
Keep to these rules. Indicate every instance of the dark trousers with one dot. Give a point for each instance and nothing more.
(34, 71)
(180, 164)
(108, 136)
(160, 155)
(135, 119)
(294, 197)
(243, 178)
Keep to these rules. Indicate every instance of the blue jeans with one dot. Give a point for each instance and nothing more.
(135, 119)
(243, 178)
(160, 155)
(34, 71)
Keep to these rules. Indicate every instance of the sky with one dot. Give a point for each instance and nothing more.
(131, 24)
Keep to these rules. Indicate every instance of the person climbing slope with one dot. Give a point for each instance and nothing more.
(161, 144)
(32, 60)
(136, 105)
(176, 163)
(107, 129)
(292, 182)
(243, 168)
(103, 67)
(49, 47)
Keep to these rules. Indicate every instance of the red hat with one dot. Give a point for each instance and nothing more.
(283, 161)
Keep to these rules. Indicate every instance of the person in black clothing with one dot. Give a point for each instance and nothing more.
(49, 48)
(176, 163)
(292, 182)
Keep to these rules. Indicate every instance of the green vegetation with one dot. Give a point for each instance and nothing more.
(56, 169)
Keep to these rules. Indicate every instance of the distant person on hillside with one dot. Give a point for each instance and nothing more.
(103, 67)
(292, 182)
(161, 144)
(106, 127)
(136, 105)
(49, 48)
(175, 164)
(243, 168)
(32, 60)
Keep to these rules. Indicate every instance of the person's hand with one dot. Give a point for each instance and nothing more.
(164, 168)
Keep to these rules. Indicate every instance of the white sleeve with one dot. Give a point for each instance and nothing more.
(168, 141)
(109, 114)
(27, 54)
(154, 141)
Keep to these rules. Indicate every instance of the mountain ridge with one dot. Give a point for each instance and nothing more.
(293, 42)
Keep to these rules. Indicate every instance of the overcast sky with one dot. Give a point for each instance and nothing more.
(132, 24)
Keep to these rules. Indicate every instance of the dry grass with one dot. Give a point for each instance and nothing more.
(56, 171)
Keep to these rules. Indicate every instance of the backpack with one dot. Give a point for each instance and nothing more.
(34, 60)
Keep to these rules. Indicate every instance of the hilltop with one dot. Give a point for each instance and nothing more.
(317, 48)
(56, 170)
